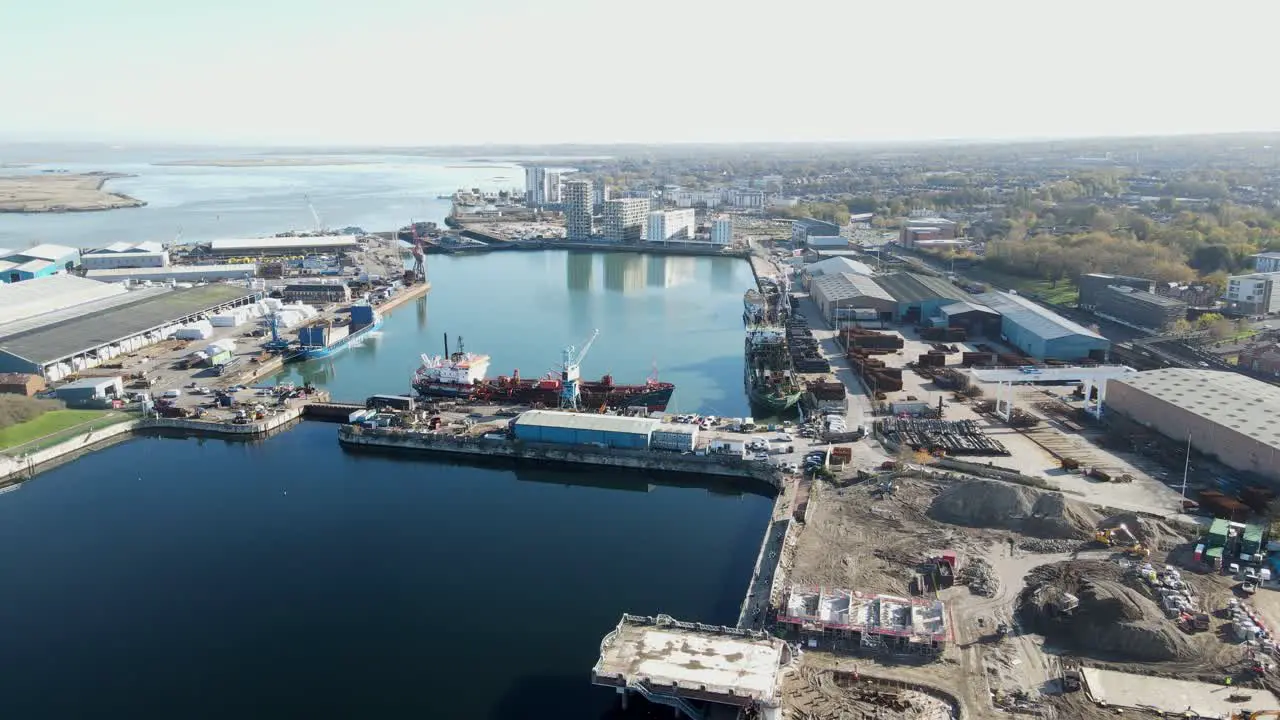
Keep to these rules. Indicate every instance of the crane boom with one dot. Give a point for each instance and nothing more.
(582, 354)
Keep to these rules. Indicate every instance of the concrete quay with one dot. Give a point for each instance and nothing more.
(354, 437)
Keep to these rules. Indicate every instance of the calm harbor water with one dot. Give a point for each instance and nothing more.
(287, 578)
(680, 315)
(188, 578)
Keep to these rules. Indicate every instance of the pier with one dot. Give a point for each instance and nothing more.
(702, 671)
(488, 449)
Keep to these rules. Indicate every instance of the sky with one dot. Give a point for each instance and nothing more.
(426, 72)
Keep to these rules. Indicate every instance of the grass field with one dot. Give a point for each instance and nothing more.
(1065, 293)
(55, 426)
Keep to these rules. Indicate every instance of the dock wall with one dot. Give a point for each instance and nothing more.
(17, 468)
(400, 440)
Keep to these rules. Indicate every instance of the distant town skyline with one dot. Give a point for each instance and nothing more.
(398, 72)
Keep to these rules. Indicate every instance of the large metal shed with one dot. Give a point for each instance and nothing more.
(1042, 333)
(566, 428)
(919, 297)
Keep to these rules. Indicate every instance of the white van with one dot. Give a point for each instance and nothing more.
(173, 394)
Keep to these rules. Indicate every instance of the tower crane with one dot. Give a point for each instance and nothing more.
(569, 374)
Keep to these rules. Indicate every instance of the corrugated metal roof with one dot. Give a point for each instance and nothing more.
(90, 382)
(283, 243)
(190, 272)
(82, 333)
(34, 266)
(1238, 402)
(832, 266)
(848, 286)
(586, 421)
(46, 252)
(124, 247)
(965, 306)
(911, 287)
(35, 297)
(1033, 318)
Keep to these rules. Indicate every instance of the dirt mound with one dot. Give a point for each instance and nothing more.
(1038, 513)
(1150, 532)
(1113, 620)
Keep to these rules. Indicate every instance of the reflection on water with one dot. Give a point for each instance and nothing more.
(579, 270)
(422, 313)
(623, 272)
(722, 276)
(668, 272)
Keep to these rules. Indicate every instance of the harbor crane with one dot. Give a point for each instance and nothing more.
(569, 374)
(315, 215)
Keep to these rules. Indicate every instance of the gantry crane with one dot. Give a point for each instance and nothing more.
(570, 372)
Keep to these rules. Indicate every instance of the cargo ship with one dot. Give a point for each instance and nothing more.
(324, 339)
(770, 379)
(462, 376)
(771, 384)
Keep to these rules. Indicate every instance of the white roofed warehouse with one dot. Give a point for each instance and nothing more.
(257, 247)
(1228, 416)
(81, 324)
(564, 428)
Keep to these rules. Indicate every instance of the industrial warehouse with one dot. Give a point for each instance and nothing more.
(56, 326)
(1226, 416)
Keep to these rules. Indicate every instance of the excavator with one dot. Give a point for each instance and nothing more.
(1255, 714)
(1115, 535)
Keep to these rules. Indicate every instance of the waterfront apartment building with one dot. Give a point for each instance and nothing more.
(672, 225)
(1254, 294)
(722, 231)
(578, 196)
(541, 187)
(624, 219)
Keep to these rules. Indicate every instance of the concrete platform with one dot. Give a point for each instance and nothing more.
(693, 661)
(1205, 699)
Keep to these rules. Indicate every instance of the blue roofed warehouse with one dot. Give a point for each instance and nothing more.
(1042, 333)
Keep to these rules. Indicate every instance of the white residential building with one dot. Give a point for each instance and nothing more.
(672, 225)
(722, 231)
(624, 219)
(692, 198)
(1254, 294)
(577, 209)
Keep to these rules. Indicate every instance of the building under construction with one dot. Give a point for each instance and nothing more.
(836, 618)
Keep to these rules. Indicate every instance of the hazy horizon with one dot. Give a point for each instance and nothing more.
(399, 73)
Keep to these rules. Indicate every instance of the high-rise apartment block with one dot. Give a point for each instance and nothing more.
(541, 187)
(672, 225)
(577, 209)
(624, 219)
(722, 231)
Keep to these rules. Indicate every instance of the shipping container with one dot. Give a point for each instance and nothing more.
(361, 314)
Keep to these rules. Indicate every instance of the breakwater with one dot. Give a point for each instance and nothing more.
(355, 437)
